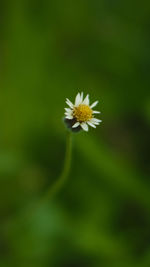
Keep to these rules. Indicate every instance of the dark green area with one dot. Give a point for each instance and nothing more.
(50, 50)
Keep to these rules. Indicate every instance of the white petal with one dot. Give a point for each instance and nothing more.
(86, 100)
(96, 120)
(96, 112)
(95, 123)
(78, 100)
(91, 124)
(76, 125)
(68, 114)
(69, 103)
(68, 109)
(94, 104)
(84, 126)
(81, 97)
(69, 117)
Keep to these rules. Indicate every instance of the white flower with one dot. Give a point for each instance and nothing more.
(81, 114)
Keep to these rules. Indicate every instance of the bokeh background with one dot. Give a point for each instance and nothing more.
(50, 50)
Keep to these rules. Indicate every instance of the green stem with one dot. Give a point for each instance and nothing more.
(53, 190)
(56, 187)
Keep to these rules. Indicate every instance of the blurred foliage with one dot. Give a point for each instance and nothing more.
(50, 50)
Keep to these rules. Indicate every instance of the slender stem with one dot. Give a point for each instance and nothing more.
(56, 187)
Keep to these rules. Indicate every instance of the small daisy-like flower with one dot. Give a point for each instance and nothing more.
(81, 114)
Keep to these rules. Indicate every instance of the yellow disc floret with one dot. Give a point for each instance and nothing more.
(82, 113)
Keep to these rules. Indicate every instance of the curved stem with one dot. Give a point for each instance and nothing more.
(66, 168)
(54, 189)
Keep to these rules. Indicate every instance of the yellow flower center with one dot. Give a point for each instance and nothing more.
(82, 113)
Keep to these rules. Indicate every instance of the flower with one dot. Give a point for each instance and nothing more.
(81, 114)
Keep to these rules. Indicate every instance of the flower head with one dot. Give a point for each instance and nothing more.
(81, 114)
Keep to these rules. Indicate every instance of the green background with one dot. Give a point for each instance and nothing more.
(50, 50)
